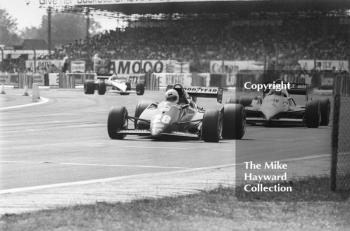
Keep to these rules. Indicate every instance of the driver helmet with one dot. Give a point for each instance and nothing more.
(172, 96)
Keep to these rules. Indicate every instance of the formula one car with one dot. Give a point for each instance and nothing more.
(278, 107)
(118, 85)
(180, 117)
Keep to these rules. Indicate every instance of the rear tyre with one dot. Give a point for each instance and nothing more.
(140, 89)
(140, 107)
(117, 120)
(89, 87)
(211, 126)
(312, 116)
(101, 88)
(325, 109)
(234, 122)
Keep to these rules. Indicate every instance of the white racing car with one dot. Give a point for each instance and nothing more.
(278, 107)
(118, 85)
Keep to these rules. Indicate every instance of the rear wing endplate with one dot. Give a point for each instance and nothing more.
(205, 92)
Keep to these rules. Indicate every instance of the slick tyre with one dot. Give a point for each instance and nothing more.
(89, 87)
(140, 89)
(211, 126)
(312, 116)
(325, 110)
(140, 107)
(117, 120)
(234, 121)
(101, 88)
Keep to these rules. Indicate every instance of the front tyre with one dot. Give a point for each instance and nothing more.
(140, 89)
(312, 116)
(128, 86)
(234, 121)
(89, 87)
(101, 88)
(211, 126)
(117, 120)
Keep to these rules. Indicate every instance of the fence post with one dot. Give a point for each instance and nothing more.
(335, 132)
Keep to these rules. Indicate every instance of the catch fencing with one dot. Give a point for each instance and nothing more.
(340, 165)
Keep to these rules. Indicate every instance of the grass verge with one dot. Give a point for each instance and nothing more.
(218, 209)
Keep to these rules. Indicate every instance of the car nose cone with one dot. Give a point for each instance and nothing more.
(156, 131)
(156, 128)
(270, 111)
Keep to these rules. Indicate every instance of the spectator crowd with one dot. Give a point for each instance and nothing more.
(199, 41)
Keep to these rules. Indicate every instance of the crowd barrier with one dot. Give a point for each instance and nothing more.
(155, 81)
(20, 80)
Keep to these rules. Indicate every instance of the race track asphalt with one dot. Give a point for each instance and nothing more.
(65, 140)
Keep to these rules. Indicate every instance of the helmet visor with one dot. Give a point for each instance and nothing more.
(172, 98)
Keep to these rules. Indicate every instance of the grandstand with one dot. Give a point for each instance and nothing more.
(200, 31)
(279, 34)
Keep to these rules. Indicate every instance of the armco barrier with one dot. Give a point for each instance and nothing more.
(151, 82)
(20, 80)
(66, 81)
(80, 78)
(25, 80)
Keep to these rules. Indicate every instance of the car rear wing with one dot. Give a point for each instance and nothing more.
(298, 89)
(205, 92)
(103, 76)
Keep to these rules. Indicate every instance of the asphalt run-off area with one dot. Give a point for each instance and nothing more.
(65, 140)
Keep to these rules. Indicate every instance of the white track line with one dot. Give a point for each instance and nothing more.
(42, 101)
(49, 122)
(104, 180)
(119, 147)
(95, 165)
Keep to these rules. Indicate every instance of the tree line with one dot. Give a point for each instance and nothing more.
(65, 27)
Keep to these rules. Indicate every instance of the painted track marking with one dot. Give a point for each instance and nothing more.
(96, 165)
(105, 180)
(42, 101)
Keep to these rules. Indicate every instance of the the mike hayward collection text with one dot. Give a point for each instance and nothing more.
(257, 175)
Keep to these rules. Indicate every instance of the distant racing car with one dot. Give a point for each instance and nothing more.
(118, 85)
(278, 107)
(179, 115)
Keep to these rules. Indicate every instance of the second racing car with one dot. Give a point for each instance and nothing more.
(117, 84)
(179, 115)
(278, 107)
